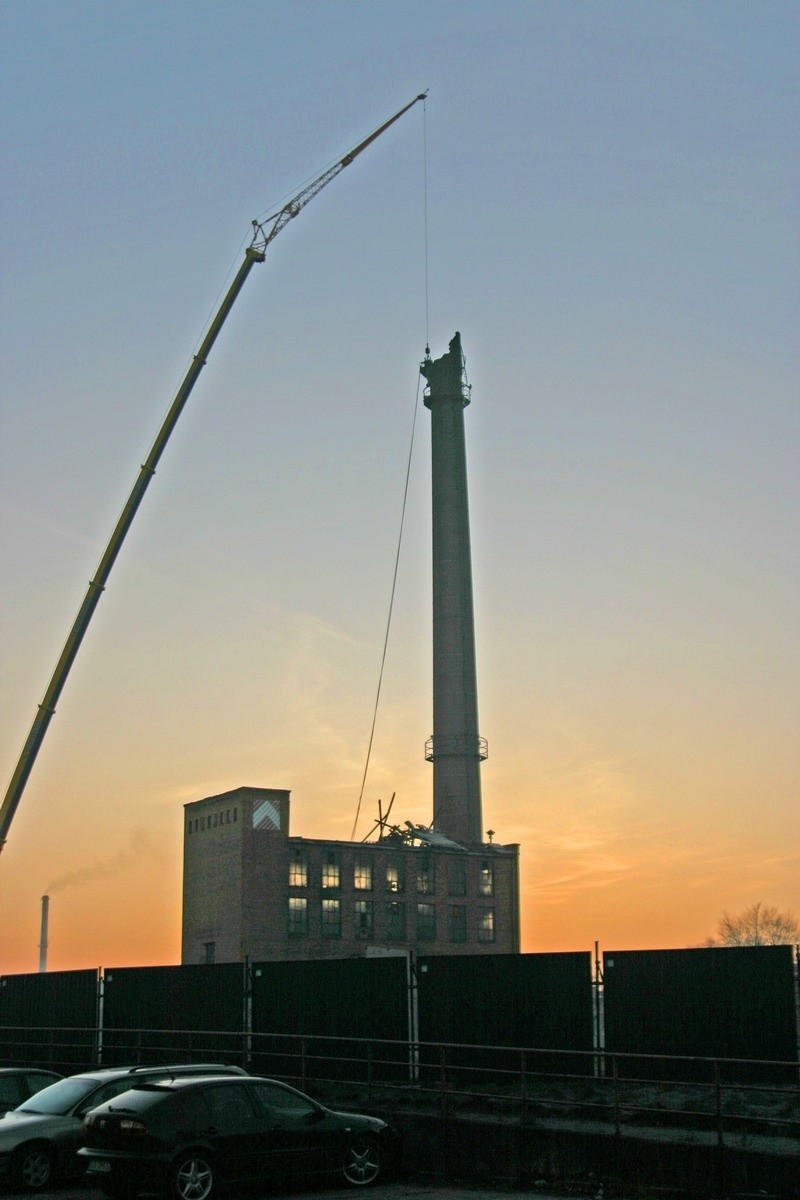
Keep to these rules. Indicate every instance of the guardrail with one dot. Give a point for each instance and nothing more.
(729, 1101)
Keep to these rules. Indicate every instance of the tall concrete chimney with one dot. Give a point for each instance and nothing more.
(43, 940)
(455, 749)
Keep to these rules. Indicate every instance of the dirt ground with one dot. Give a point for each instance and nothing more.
(387, 1191)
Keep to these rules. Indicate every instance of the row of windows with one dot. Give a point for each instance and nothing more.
(394, 920)
(212, 820)
(391, 874)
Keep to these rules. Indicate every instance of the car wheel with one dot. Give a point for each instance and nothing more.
(192, 1178)
(362, 1162)
(34, 1167)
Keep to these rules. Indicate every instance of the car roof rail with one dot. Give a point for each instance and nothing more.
(199, 1067)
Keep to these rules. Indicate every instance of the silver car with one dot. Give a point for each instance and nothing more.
(38, 1139)
(18, 1084)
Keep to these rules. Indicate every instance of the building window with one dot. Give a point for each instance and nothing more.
(426, 922)
(298, 916)
(426, 882)
(331, 918)
(364, 922)
(485, 880)
(486, 925)
(331, 871)
(395, 876)
(458, 922)
(362, 875)
(209, 952)
(395, 921)
(298, 870)
(456, 875)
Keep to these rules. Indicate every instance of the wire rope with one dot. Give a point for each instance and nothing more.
(389, 618)
(425, 208)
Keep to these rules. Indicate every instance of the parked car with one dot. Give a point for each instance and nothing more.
(189, 1138)
(38, 1138)
(18, 1083)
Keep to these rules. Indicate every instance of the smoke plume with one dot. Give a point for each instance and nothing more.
(139, 847)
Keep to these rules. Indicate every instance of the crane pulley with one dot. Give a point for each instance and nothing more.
(255, 253)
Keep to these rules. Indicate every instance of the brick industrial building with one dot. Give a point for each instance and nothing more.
(250, 890)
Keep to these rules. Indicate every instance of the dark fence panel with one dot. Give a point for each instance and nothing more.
(181, 1004)
(544, 1001)
(722, 1002)
(48, 1020)
(306, 1015)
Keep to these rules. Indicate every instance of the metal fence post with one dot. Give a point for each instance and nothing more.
(248, 974)
(617, 1116)
(442, 1081)
(99, 1017)
(718, 1102)
(597, 1004)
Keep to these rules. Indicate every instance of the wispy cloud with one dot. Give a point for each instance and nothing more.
(579, 828)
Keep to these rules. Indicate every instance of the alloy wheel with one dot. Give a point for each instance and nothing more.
(35, 1168)
(194, 1178)
(362, 1163)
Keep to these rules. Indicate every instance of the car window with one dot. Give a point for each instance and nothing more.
(108, 1091)
(191, 1113)
(35, 1081)
(230, 1107)
(60, 1097)
(9, 1091)
(276, 1099)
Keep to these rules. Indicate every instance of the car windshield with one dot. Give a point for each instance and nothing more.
(60, 1097)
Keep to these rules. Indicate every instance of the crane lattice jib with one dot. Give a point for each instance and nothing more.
(253, 254)
(263, 236)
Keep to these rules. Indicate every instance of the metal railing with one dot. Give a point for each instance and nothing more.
(734, 1102)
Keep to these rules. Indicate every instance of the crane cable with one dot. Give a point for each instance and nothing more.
(389, 618)
(282, 206)
(425, 207)
(408, 477)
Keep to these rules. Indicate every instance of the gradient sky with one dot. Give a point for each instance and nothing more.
(612, 226)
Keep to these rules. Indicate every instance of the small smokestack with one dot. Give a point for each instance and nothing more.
(43, 942)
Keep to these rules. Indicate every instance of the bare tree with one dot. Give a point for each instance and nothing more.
(759, 925)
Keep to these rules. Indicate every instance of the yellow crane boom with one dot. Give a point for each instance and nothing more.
(255, 253)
